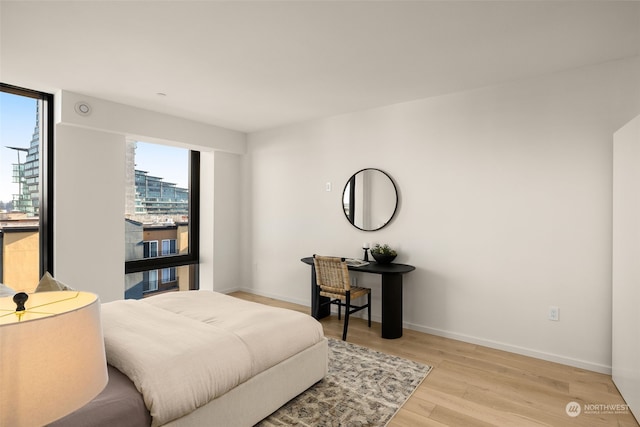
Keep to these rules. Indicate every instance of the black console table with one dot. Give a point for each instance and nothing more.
(391, 294)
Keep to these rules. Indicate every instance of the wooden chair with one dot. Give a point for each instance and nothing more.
(332, 279)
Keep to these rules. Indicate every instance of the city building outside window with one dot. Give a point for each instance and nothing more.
(26, 186)
(161, 219)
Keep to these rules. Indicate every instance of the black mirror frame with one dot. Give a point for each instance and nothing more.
(352, 199)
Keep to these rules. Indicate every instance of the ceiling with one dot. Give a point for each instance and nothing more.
(254, 65)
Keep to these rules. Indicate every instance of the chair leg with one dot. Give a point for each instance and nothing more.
(316, 309)
(346, 317)
(369, 308)
(340, 310)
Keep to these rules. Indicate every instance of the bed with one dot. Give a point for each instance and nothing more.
(201, 358)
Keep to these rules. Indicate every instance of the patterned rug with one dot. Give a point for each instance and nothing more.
(363, 388)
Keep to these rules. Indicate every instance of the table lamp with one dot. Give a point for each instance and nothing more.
(52, 358)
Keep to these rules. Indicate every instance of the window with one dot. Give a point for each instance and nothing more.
(150, 249)
(161, 218)
(169, 247)
(26, 186)
(168, 275)
(151, 281)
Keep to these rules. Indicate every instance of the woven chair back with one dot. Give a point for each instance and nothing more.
(332, 273)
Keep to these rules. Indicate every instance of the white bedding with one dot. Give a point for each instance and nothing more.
(184, 349)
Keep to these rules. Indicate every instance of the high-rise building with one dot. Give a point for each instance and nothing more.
(150, 198)
(27, 174)
(154, 196)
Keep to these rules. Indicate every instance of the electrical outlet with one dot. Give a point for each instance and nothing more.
(554, 313)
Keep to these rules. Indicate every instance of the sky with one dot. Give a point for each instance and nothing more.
(170, 163)
(17, 123)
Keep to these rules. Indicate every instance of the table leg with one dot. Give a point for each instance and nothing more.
(391, 306)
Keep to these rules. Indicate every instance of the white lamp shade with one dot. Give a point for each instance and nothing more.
(52, 358)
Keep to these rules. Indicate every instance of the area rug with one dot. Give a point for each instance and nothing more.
(362, 388)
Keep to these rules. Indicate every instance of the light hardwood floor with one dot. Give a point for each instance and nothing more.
(471, 385)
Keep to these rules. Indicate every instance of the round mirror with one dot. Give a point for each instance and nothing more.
(370, 199)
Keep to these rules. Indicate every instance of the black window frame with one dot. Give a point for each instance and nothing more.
(179, 260)
(46, 186)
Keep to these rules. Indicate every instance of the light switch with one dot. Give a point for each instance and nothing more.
(327, 186)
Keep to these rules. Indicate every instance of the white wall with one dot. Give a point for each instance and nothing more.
(626, 269)
(89, 191)
(89, 182)
(505, 208)
(227, 221)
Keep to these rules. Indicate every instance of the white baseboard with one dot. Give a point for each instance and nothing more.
(577, 363)
(590, 366)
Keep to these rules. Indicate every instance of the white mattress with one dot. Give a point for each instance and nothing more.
(185, 349)
(258, 397)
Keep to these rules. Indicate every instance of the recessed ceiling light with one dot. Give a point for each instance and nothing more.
(83, 108)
